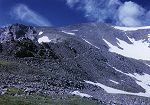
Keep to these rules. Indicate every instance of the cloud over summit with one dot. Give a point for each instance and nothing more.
(119, 13)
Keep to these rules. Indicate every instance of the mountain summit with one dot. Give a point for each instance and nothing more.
(99, 61)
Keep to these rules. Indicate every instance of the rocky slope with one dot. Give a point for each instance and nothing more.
(85, 59)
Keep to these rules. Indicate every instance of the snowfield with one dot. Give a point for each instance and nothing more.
(131, 28)
(138, 50)
(141, 80)
(117, 91)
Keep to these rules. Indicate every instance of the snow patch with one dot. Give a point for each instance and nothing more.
(131, 28)
(147, 64)
(69, 33)
(44, 39)
(40, 33)
(145, 78)
(117, 91)
(90, 43)
(114, 81)
(128, 74)
(141, 80)
(81, 94)
(138, 50)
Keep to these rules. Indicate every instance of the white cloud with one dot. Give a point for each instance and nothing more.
(24, 13)
(97, 10)
(119, 13)
(71, 3)
(129, 14)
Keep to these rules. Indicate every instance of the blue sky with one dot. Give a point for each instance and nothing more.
(55, 11)
(67, 12)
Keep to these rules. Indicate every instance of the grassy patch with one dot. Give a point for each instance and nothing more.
(14, 91)
(5, 63)
(8, 66)
(43, 100)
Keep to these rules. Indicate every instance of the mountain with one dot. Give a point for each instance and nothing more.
(106, 63)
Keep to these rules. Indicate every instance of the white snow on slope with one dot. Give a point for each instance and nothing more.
(119, 70)
(90, 43)
(145, 78)
(69, 33)
(142, 80)
(40, 33)
(131, 28)
(117, 91)
(147, 64)
(138, 50)
(44, 39)
(114, 81)
(81, 94)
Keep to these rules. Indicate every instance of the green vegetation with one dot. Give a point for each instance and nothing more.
(5, 63)
(42, 100)
(14, 91)
(10, 98)
(8, 66)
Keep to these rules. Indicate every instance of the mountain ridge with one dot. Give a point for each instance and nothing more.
(75, 58)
